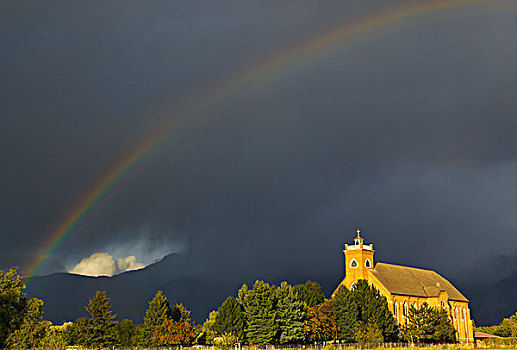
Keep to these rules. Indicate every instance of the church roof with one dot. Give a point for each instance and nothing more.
(411, 281)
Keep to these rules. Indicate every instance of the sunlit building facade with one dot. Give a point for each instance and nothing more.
(405, 286)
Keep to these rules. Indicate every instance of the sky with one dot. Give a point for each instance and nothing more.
(272, 145)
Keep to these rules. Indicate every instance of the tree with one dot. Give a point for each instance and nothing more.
(241, 295)
(368, 332)
(291, 315)
(320, 324)
(172, 332)
(226, 341)
(21, 319)
(32, 330)
(180, 314)
(508, 327)
(101, 328)
(260, 310)
(127, 333)
(54, 338)
(208, 330)
(230, 319)
(310, 293)
(428, 325)
(13, 302)
(372, 309)
(157, 313)
(77, 332)
(345, 312)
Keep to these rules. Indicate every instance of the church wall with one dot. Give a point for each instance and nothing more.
(359, 252)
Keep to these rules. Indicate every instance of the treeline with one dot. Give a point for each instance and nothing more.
(262, 314)
(507, 327)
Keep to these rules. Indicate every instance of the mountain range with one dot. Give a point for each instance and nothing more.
(203, 290)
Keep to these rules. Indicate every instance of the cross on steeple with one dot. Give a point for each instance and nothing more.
(358, 240)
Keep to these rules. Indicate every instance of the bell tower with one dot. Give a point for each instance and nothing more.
(358, 260)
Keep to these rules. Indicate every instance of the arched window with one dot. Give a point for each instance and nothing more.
(465, 325)
(457, 319)
(405, 309)
(353, 286)
(353, 263)
(443, 304)
(396, 311)
(368, 263)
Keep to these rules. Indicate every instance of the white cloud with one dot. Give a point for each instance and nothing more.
(103, 264)
(98, 264)
(129, 263)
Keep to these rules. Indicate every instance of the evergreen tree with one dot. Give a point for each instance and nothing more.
(446, 332)
(241, 295)
(344, 308)
(13, 302)
(180, 314)
(368, 332)
(32, 330)
(428, 325)
(77, 333)
(372, 308)
(54, 338)
(291, 315)
(260, 310)
(101, 328)
(208, 330)
(230, 319)
(310, 293)
(320, 324)
(158, 312)
(127, 333)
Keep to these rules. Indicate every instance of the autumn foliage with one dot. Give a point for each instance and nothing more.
(172, 332)
(321, 323)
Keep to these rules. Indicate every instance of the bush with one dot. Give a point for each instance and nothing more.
(226, 341)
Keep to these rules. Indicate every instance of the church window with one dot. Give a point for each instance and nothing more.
(443, 304)
(368, 264)
(405, 309)
(465, 323)
(396, 311)
(353, 286)
(353, 263)
(456, 312)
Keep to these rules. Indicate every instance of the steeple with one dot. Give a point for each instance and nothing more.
(358, 258)
(358, 241)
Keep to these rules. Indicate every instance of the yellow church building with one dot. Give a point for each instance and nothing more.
(405, 286)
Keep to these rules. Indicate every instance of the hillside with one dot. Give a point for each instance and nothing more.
(200, 290)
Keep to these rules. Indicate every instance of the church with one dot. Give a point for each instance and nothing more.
(405, 286)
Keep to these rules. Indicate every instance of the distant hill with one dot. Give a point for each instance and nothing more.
(201, 291)
(491, 285)
(498, 301)
(66, 295)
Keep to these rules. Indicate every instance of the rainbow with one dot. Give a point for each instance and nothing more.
(338, 38)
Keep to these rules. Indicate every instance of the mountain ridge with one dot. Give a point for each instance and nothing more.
(201, 290)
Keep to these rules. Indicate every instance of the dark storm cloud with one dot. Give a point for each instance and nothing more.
(410, 136)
